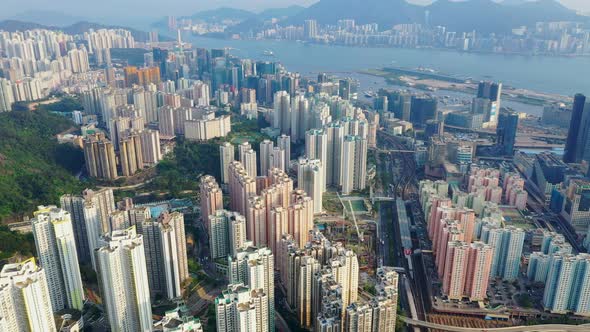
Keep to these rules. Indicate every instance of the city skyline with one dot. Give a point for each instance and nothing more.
(78, 11)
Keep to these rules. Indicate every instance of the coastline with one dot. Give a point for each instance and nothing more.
(415, 79)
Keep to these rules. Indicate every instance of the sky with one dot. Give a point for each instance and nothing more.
(134, 9)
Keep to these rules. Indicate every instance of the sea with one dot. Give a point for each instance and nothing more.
(558, 75)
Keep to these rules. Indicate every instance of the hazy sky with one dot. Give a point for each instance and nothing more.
(134, 9)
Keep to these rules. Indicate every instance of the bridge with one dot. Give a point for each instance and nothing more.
(532, 328)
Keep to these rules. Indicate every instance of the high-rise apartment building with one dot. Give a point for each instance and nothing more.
(130, 154)
(99, 154)
(6, 95)
(226, 156)
(266, 148)
(254, 266)
(56, 248)
(310, 29)
(124, 285)
(166, 121)
(166, 259)
(240, 309)
(567, 288)
(300, 214)
(211, 198)
(75, 206)
(25, 303)
(316, 147)
(277, 159)
(309, 179)
(256, 221)
(282, 112)
(354, 168)
(227, 233)
(150, 146)
(241, 187)
(335, 133)
(284, 143)
(507, 243)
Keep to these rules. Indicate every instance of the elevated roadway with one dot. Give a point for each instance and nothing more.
(532, 328)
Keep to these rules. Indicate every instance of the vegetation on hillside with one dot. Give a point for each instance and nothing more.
(12, 243)
(190, 160)
(66, 104)
(34, 168)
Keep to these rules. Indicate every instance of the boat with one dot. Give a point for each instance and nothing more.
(268, 53)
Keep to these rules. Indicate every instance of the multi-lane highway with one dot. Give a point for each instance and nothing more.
(532, 328)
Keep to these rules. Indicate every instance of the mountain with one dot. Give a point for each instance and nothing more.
(280, 12)
(48, 18)
(383, 12)
(223, 13)
(76, 28)
(485, 16)
(34, 168)
(14, 25)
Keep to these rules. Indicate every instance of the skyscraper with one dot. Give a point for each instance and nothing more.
(478, 271)
(257, 225)
(506, 132)
(150, 146)
(282, 112)
(240, 309)
(99, 154)
(491, 90)
(284, 143)
(507, 243)
(316, 147)
(310, 29)
(241, 187)
(266, 148)
(571, 145)
(309, 179)
(226, 155)
(6, 95)
(335, 133)
(227, 233)
(166, 260)
(75, 206)
(277, 159)
(300, 217)
(124, 282)
(24, 298)
(56, 247)
(211, 198)
(255, 268)
(354, 169)
(568, 284)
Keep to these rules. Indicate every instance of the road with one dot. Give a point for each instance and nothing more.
(536, 203)
(532, 328)
(416, 301)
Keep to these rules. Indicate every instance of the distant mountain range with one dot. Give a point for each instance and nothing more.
(484, 16)
(75, 28)
(47, 18)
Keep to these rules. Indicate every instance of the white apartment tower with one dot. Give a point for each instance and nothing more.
(56, 247)
(226, 156)
(310, 180)
(124, 282)
(25, 304)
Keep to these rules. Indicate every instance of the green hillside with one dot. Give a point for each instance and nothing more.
(34, 168)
